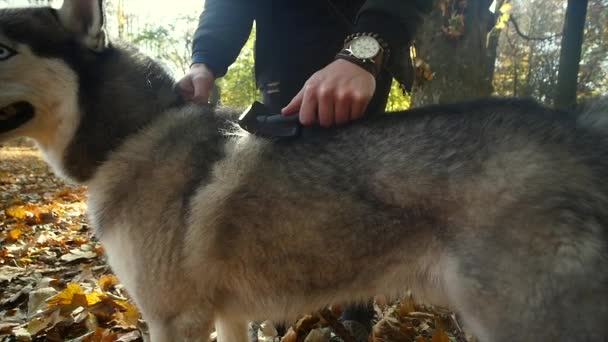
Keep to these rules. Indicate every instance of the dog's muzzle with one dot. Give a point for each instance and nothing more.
(15, 115)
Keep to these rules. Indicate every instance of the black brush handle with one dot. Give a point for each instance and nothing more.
(279, 119)
(256, 120)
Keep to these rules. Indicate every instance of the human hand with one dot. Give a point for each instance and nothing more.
(334, 95)
(197, 84)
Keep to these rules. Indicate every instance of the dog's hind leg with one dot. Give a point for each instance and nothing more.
(231, 330)
(542, 277)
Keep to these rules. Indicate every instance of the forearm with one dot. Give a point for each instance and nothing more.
(224, 27)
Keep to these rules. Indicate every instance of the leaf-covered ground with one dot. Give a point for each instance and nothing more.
(56, 286)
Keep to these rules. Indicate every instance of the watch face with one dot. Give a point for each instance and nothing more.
(365, 47)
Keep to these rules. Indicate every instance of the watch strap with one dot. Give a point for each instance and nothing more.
(373, 65)
(370, 66)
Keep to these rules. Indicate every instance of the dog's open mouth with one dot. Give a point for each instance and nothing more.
(15, 115)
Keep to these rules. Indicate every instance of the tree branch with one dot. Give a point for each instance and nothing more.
(527, 37)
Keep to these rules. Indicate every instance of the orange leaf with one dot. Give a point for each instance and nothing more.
(128, 316)
(105, 310)
(440, 335)
(99, 250)
(107, 281)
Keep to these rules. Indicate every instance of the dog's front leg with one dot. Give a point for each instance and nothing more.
(187, 327)
(231, 329)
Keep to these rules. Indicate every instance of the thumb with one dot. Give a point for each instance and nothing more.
(294, 106)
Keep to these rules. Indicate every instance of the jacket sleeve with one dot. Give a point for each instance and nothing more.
(394, 20)
(223, 29)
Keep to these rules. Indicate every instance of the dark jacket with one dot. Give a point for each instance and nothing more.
(298, 37)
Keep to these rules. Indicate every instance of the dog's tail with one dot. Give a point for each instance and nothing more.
(594, 114)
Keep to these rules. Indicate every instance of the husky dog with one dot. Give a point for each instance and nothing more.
(497, 209)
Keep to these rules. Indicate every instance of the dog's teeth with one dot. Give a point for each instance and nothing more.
(8, 113)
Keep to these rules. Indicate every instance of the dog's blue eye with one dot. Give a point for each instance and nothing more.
(6, 52)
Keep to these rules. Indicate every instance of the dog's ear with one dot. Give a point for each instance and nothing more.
(85, 18)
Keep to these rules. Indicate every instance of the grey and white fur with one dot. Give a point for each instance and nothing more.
(497, 209)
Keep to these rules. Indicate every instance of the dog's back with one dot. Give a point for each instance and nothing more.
(495, 208)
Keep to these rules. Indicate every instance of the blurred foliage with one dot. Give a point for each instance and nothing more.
(168, 44)
(527, 65)
(397, 99)
(237, 87)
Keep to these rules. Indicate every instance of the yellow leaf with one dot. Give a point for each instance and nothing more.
(505, 8)
(26, 261)
(14, 235)
(107, 281)
(66, 296)
(74, 296)
(75, 227)
(18, 213)
(94, 298)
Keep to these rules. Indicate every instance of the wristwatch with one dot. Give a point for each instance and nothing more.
(367, 50)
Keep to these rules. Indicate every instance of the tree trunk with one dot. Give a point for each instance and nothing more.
(459, 64)
(570, 55)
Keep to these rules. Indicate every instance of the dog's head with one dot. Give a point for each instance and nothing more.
(38, 86)
(65, 86)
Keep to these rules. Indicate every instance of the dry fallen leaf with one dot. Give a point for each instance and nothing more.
(8, 273)
(78, 254)
(107, 281)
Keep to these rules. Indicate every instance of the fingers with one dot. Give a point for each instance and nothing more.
(325, 107)
(294, 106)
(329, 107)
(196, 86)
(186, 88)
(359, 104)
(335, 95)
(308, 109)
(342, 110)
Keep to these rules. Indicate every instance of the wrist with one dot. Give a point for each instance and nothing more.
(354, 63)
(367, 50)
(201, 68)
